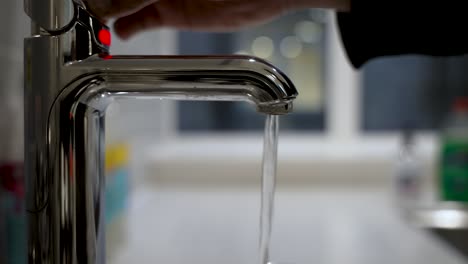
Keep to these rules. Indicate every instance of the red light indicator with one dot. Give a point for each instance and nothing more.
(461, 104)
(105, 37)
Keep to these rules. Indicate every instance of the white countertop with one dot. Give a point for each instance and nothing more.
(173, 223)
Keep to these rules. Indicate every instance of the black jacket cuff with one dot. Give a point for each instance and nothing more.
(373, 29)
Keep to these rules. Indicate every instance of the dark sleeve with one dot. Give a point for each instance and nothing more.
(378, 28)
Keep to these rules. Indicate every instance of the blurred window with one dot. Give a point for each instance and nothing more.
(412, 91)
(396, 92)
(294, 43)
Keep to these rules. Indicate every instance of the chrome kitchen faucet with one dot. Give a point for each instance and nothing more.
(70, 79)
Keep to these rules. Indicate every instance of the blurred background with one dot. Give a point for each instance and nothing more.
(183, 178)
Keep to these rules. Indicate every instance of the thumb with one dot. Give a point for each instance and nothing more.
(146, 18)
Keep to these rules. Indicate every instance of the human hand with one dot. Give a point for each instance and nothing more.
(208, 15)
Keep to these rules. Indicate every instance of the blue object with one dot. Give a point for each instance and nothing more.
(117, 192)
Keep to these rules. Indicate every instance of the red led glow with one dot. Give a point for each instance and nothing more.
(105, 37)
(461, 104)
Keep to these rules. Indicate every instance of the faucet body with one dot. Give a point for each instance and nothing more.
(70, 79)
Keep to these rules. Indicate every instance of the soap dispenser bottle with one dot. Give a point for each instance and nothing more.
(453, 157)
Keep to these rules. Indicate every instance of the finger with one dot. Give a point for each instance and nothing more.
(145, 19)
(110, 8)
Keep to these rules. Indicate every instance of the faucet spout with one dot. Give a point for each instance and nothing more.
(209, 78)
(66, 195)
(69, 81)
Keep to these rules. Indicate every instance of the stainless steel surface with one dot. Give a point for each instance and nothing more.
(440, 215)
(455, 238)
(69, 81)
(446, 221)
(50, 15)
